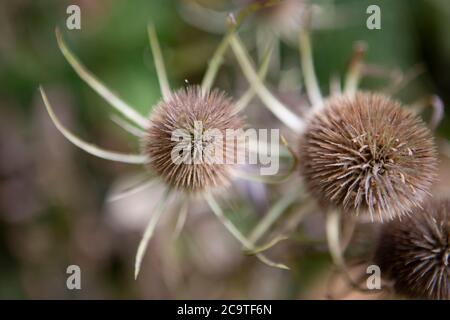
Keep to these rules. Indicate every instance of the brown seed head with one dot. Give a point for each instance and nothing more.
(195, 118)
(368, 155)
(415, 252)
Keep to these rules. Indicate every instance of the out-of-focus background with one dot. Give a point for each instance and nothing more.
(54, 210)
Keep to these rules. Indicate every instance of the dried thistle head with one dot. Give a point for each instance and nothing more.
(368, 155)
(193, 115)
(415, 252)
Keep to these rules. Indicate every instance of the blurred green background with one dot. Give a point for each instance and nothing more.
(53, 211)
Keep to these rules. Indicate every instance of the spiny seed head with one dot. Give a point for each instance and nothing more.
(191, 116)
(368, 155)
(415, 252)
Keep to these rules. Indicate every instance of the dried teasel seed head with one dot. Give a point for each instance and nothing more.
(368, 155)
(183, 139)
(414, 252)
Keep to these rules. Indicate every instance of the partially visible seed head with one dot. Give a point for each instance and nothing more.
(194, 116)
(368, 155)
(414, 252)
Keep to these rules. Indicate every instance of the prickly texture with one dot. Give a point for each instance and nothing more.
(414, 253)
(368, 155)
(193, 115)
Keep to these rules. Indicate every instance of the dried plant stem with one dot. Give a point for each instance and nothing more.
(90, 148)
(264, 36)
(400, 80)
(236, 233)
(245, 99)
(273, 179)
(159, 62)
(438, 109)
(291, 222)
(333, 238)
(273, 104)
(267, 245)
(273, 215)
(344, 291)
(97, 86)
(334, 245)
(182, 216)
(438, 112)
(149, 232)
(132, 190)
(128, 127)
(216, 62)
(347, 232)
(253, 145)
(354, 72)
(335, 86)
(311, 83)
